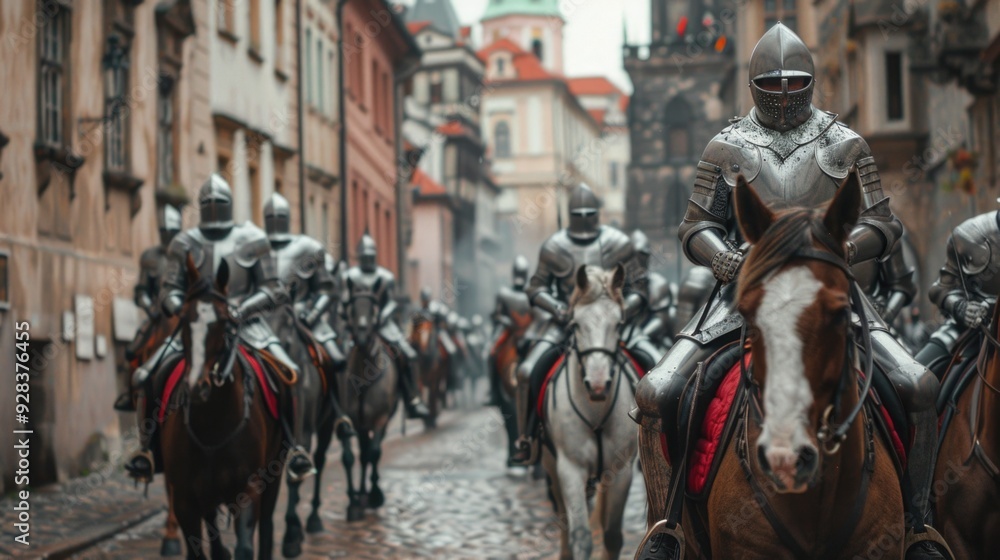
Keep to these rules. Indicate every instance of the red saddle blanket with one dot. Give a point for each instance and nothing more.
(703, 452)
(270, 399)
(540, 403)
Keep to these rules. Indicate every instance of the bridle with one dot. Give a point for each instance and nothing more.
(366, 296)
(830, 434)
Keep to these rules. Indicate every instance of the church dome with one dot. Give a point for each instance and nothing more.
(501, 8)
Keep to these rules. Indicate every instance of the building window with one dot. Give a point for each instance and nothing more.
(325, 224)
(256, 200)
(536, 48)
(894, 86)
(387, 102)
(780, 10)
(376, 104)
(53, 43)
(331, 72)
(165, 139)
(501, 139)
(678, 143)
(359, 71)
(309, 69)
(613, 172)
(116, 79)
(255, 25)
(437, 91)
(501, 63)
(224, 16)
(320, 93)
(279, 34)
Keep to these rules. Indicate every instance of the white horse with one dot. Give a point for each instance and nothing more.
(586, 419)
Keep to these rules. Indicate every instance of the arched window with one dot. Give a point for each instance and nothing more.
(536, 48)
(501, 139)
(677, 119)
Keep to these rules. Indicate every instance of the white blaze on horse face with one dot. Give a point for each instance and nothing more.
(199, 331)
(597, 327)
(787, 394)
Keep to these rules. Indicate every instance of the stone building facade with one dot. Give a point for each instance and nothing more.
(105, 117)
(685, 84)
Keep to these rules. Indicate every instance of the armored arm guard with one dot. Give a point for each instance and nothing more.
(175, 277)
(149, 264)
(947, 292)
(618, 249)
(388, 299)
(323, 285)
(552, 263)
(877, 230)
(898, 277)
(705, 227)
(270, 294)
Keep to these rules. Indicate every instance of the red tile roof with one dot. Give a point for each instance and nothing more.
(425, 185)
(592, 85)
(526, 65)
(417, 26)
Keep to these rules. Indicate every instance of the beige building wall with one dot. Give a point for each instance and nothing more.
(71, 234)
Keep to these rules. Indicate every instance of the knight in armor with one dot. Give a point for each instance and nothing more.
(966, 288)
(511, 304)
(584, 242)
(253, 290)
(436, 312)
(656, 322)
(366, 277)
(794, 155)
(301, 265)
(152, 267)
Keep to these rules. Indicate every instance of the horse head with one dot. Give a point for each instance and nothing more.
(363, 312)
(794, 296)
(597, 308)
(208, 330)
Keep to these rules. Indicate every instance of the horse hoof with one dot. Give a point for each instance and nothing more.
(291, 549)
(376, 499)
(314, 524)
(221, 554)
(170, 547)
(355, 512)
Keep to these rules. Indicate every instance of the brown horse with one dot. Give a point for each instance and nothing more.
(220, 446)
(804, 475)
(504, 358)
(434, 366)
(966, 488)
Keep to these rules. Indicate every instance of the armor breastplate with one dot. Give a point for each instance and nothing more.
(790, 169)
(514, 301)
(296, 262)
(154, 263)
(603, 251)
(361, 282)
(982, 231)
(208, 255)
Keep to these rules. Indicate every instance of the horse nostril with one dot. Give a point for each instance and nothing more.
(586, 384)
(807, 461)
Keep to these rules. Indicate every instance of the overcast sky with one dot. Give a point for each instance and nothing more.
(593, 33)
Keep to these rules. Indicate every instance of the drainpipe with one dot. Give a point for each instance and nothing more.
(301, 117)
(342, 122)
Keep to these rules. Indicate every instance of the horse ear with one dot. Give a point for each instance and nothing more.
(618, 278)
(753, 216)
(845, 208)
(581, 278)
(222, 277)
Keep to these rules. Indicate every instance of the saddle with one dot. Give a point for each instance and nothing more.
(957, 379)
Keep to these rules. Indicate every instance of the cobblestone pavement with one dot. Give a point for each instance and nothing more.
(448, 495)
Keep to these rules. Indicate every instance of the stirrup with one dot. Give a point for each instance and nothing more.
(929, 534)
(531, 444)
(656, 545)
(146, 454)
(298, 451)
(124, 402)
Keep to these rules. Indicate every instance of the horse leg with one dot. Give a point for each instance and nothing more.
(171, 545)
(268, 502)
(612, 496)
(354, 511)
(291, 545)
(572, 480)
(246, 523)
(190, 522)
(376, 499)
(364, 447)
(324, 435)
(219, 550)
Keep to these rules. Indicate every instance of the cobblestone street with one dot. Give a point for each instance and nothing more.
(448, 496)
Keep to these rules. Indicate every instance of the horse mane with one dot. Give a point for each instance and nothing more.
(597, 287)
(793, 232)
